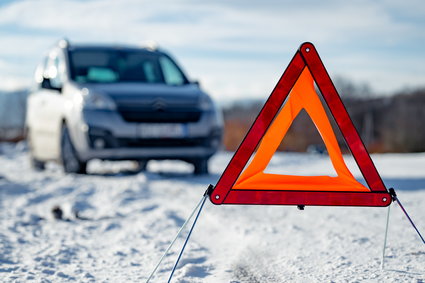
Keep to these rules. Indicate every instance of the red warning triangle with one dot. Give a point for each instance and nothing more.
(294, 92)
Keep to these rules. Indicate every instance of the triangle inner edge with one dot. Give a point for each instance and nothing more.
(302, 96)
(302, 145)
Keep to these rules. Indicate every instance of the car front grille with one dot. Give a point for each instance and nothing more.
(188, 142)
(176, 115)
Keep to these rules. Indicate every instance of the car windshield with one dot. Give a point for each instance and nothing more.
(118, 65)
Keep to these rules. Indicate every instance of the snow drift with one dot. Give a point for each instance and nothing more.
(126, 219)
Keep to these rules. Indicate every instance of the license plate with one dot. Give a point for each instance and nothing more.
(162, 131)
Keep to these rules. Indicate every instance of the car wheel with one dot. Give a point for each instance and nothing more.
(142, 165)
(201, 166)
(37, 164)
(69, 158)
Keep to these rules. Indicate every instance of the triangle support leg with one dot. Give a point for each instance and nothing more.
(385, 238)
(190, 232)
(394, 195)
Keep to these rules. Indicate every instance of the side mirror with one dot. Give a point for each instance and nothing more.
(196, 82)
(47, 84)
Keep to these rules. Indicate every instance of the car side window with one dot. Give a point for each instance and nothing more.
(39, 73)
(172, 74)
(55, 70)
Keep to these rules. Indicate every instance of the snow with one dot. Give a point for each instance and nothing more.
(128, 218)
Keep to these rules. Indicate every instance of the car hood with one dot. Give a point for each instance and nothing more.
(146, 94)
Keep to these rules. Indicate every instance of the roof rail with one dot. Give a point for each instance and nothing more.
(151, 45)
(64, 43)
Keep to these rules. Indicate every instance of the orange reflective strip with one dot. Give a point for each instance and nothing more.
(302, 96)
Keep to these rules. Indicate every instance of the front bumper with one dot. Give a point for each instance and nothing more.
(182, 153)
(105, 135)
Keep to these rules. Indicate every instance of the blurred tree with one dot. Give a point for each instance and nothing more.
(386, 124)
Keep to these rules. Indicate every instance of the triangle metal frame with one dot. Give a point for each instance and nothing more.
(306, 56)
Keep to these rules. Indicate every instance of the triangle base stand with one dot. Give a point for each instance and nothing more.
(307, 198)
(395, 198)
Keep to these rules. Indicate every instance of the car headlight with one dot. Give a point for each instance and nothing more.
(206, 103)
(93, 100)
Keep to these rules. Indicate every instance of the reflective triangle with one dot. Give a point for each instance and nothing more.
(295, 91)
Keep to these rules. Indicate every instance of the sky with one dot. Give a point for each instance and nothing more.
(235, 49)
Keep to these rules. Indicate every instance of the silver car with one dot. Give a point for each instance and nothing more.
(118, 103)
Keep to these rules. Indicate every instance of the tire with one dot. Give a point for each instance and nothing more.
(36, 164)
(69, 158)
(142, 165)
(200, 166)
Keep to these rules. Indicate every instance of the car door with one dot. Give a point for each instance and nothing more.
(48, 108)
(35, 105)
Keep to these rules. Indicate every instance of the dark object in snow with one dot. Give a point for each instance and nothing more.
(78, 216)
(57, 212)
(59, 215)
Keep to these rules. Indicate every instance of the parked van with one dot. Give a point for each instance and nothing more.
(118, 103)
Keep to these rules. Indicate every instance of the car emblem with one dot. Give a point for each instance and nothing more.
(159, 105)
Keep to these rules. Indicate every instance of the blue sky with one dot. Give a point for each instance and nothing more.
(236, 49)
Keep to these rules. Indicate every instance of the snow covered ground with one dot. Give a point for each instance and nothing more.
(129, 218)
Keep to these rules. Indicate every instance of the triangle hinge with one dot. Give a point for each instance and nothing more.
(209, 190)
(392, 193)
